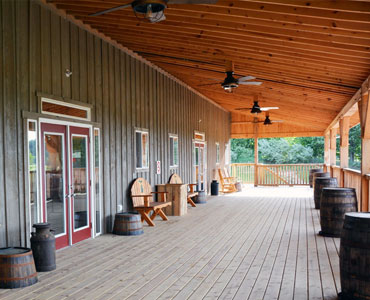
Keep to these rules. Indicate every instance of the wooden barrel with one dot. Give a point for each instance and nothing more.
(320, 183)
(201, 197)
(317, 175)
(310, 177)
(17, 268)
(335, 202)
(128, 224)
(354, 256)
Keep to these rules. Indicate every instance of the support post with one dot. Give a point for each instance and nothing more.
(364, 111)
(327, 152)
(255, 152)
(333, 148)
(344, 144)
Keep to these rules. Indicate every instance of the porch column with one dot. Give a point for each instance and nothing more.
(327, 151)
(333, 146)
(364, 111)
(255, 152)
(344, 143)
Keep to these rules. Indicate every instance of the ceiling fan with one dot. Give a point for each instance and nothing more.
(151, 10)
(256, 109)
(267, 121)
(230, 83)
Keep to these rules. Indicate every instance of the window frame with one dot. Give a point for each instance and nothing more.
(141, 131)
(172, 154)
(217, 153)
(66, 104)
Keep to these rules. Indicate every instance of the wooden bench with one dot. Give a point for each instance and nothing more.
(176, 179)
(143, 202)
(227, 183)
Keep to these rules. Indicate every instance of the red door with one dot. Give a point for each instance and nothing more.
(55, 181)
(65, 167)
(80, 183)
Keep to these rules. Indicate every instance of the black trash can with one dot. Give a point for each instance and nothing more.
(214, 188)
(43, 247)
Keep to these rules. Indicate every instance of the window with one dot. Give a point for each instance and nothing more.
(174, 150)
(217, 153)
(142, 149)
(64, 109)
(32, 171)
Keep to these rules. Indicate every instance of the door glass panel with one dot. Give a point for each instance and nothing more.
(32, 171)
(55, 182)
(97, 180)
(79, 179)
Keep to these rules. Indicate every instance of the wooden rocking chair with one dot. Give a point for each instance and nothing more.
(176, 179)
(227, 183)
(142, 199)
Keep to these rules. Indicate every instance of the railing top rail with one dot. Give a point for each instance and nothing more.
(357, 172)
(259, 164)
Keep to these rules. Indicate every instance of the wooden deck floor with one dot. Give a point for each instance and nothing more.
(259, 244)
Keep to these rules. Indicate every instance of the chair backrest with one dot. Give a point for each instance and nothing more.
(140, 187)
(175, 179)
(221, 175)
(226, 172)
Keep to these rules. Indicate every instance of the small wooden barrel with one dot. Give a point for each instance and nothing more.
(17, 268)
(201, 197)
(312, 171)
(335, 202)
(320, 183)
(128, 224)
(354, 256)
(317, 175)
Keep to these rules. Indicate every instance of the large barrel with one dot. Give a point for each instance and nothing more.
(320, 183)
(17, 268)
(354, 256)
(319, 174)
(128, 224)
(335, 202)
(312, 171)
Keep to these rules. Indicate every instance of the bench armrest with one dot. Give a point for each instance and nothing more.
(191, 187)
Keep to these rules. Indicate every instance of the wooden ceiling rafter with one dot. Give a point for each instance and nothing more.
(310, 55)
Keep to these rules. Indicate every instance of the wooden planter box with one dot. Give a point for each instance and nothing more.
(177, 194)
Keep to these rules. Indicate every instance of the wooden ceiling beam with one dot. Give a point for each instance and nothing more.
(230, 38)
(308, 74)
(262, 54)
(235, 29)
(276, 134)
(235, 21)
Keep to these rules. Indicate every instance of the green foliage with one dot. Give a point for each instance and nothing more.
(355, 147)
(279, 150)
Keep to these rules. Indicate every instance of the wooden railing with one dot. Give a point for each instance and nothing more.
(244, 172)
(288, 174)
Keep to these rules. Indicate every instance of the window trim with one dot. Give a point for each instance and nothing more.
(146, 168)
(174, 136)
(66, 104)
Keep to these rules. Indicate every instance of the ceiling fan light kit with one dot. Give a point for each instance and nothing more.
(149, 10)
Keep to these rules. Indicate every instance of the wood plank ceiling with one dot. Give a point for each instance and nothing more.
(311, 56)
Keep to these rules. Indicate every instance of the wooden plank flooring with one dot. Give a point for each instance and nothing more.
(259, 244)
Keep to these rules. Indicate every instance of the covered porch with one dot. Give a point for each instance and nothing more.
(259, 244)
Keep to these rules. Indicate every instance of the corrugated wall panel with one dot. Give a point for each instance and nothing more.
(37, 48)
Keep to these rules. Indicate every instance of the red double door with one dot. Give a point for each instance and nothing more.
(65, 169)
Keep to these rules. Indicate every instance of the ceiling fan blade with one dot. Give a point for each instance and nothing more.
(277, 121)
(192, 1)
(246, 78)
(102, 12)
(250, 82)
(268, 108)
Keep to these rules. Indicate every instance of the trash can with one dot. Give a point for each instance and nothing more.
(214, 188)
